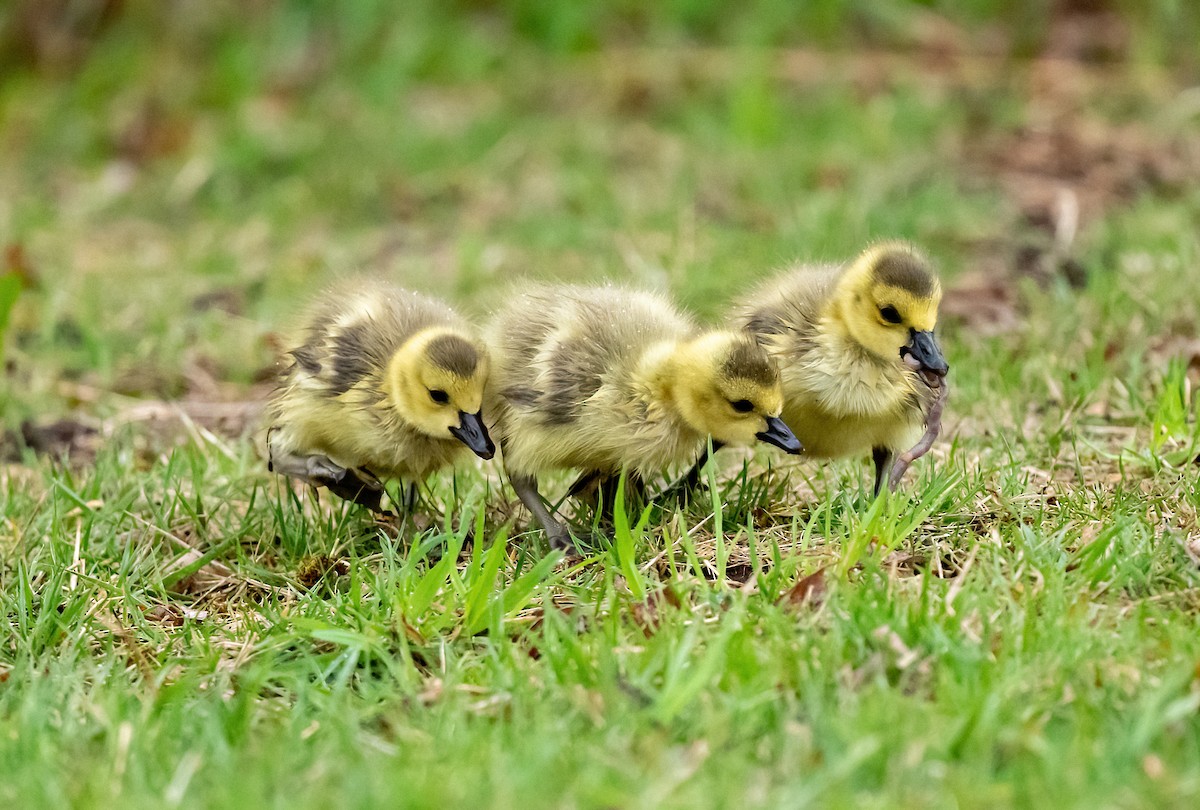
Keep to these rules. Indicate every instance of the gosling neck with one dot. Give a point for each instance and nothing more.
(656, 379)
(401, 369)
(669, 370)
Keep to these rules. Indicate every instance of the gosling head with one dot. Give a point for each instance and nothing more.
(728, 387)
(436, 381)
(887, 302)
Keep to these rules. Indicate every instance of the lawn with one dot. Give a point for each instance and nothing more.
(1017, 626)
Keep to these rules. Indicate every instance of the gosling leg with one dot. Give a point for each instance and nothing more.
(359, 486)
(882, 457)
(682, 489)
(527, 490)
(635, 494)
(411, 496)
(586, 485)
(313, 469)
(353, 485)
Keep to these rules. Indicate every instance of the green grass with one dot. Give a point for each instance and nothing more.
(1018, 627)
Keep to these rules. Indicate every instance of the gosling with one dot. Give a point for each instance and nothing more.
(385, 383)
(605, 380)
(855, 346)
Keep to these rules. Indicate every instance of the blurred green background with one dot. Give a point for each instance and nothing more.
(178, 176)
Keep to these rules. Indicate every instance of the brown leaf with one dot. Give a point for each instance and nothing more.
(1097, 163)
(904, 563)
(174, 615)
(165, 615)
(647, 615)
(166, 419)
(670, 597)
(16, 261)
(64, 438)
(411, 632)
(1087, 31)
(54, 35)
(986, 304)
(231, 300)
(809, 591)
(152, 133)
(1167, 348)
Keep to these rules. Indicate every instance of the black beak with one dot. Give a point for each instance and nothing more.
(780, 435)
(473, 434)
(924, 349)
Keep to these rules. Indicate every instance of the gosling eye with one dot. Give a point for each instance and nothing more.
(439, 396)
(742, 405)
(889, 314)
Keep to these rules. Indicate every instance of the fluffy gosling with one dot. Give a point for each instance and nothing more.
(385, 383)
(605, 379)
(860, 366)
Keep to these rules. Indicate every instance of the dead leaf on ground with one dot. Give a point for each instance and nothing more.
(904, 563)
(1170, 347)
(1044, 264)
(1101, 164)
(157, 424)
(166, 615)
(16, 261)
(66, 439)
(983, 302)
(174, 615)
(809, 591)
(1087, 31)
(230, 300)
(647, 615)
(151, 132)
(55, 35)
(232, 419)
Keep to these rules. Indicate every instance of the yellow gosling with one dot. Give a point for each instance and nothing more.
(606, 379)
(384, 383)
(855, 346)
